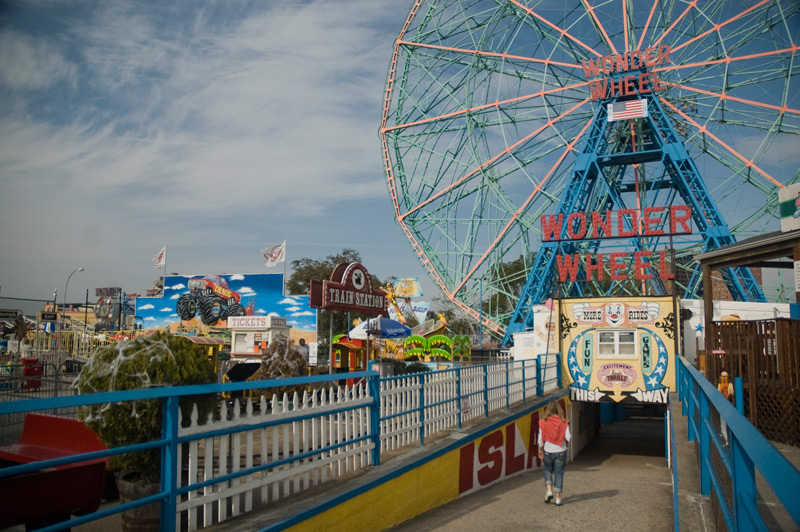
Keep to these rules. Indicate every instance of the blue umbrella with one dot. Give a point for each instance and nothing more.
(379, 327)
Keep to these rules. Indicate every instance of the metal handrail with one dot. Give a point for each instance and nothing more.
(746, 451)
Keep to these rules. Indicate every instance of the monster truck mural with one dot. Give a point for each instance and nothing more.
(210, 296)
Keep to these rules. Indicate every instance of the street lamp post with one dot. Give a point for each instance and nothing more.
(64, 315)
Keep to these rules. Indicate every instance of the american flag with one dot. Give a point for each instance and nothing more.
(627, 110)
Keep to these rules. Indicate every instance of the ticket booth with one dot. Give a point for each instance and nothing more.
(250, 335)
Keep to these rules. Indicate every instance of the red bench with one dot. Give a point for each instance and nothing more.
(51, 495)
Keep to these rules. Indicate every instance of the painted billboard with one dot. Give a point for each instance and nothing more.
(619, 348)
(203, 301)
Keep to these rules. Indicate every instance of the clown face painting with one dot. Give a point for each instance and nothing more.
(615, 314)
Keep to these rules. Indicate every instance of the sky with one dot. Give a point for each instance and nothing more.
(215, 128)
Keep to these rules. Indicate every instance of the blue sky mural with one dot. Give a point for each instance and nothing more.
(261, 295)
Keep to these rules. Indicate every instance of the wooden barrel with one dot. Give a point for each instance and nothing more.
(145, 518)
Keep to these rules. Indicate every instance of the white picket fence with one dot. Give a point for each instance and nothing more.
(286, 446)
(276, 449)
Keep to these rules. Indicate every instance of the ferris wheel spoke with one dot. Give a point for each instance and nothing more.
(493, 105)
(600, 29)
(725, 96)
(502, 233)
(744, 160)
(647, 24)
(497, 55)
(692, 4)
(494, 158)
(561, 31)
(717, 27)
(728, 59)
(413, 141)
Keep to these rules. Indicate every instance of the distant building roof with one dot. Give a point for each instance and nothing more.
(206, 340)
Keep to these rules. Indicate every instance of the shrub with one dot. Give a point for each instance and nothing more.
(154, 361)
(417, 367)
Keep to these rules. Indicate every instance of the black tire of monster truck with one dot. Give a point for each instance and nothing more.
(236, 310)
(212, 309)
(186, 307)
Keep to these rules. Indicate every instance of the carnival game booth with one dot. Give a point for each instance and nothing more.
(250, 335)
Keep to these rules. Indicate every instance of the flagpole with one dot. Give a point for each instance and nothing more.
(283, 285)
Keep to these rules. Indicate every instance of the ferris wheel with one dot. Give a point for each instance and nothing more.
(500, 112)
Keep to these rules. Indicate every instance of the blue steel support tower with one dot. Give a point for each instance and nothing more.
(597, 185)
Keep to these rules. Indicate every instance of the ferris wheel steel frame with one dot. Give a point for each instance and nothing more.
(440, 125)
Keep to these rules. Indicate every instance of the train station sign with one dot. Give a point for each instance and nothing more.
(349, 289)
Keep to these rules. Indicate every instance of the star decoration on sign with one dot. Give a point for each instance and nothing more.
(699, 327)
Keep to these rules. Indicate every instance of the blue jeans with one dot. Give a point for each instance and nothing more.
(553, 466)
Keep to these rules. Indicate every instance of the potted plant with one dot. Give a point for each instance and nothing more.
(154, 361)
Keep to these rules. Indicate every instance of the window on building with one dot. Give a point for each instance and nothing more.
(617, 344)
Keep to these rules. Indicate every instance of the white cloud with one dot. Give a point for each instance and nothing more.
(237, 277)
(148, 306)
(167, 309)
(305, 313)
(30, 63)
(246, 291)
(288, 301)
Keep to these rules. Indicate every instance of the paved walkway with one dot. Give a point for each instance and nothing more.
(619, 482)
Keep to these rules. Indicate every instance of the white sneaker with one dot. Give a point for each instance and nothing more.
(548, 497)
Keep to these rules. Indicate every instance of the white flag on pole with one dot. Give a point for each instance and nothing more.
(161, 258)
(274, 254)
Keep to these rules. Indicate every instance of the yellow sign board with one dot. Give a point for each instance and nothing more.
(619, 348)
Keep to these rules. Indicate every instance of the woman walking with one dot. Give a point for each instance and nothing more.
(554, 435)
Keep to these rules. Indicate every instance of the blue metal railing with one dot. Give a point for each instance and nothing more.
(741, 450)
(168, 496)
(169, 442)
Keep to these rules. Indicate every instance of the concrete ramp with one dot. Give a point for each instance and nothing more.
(619, 482)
